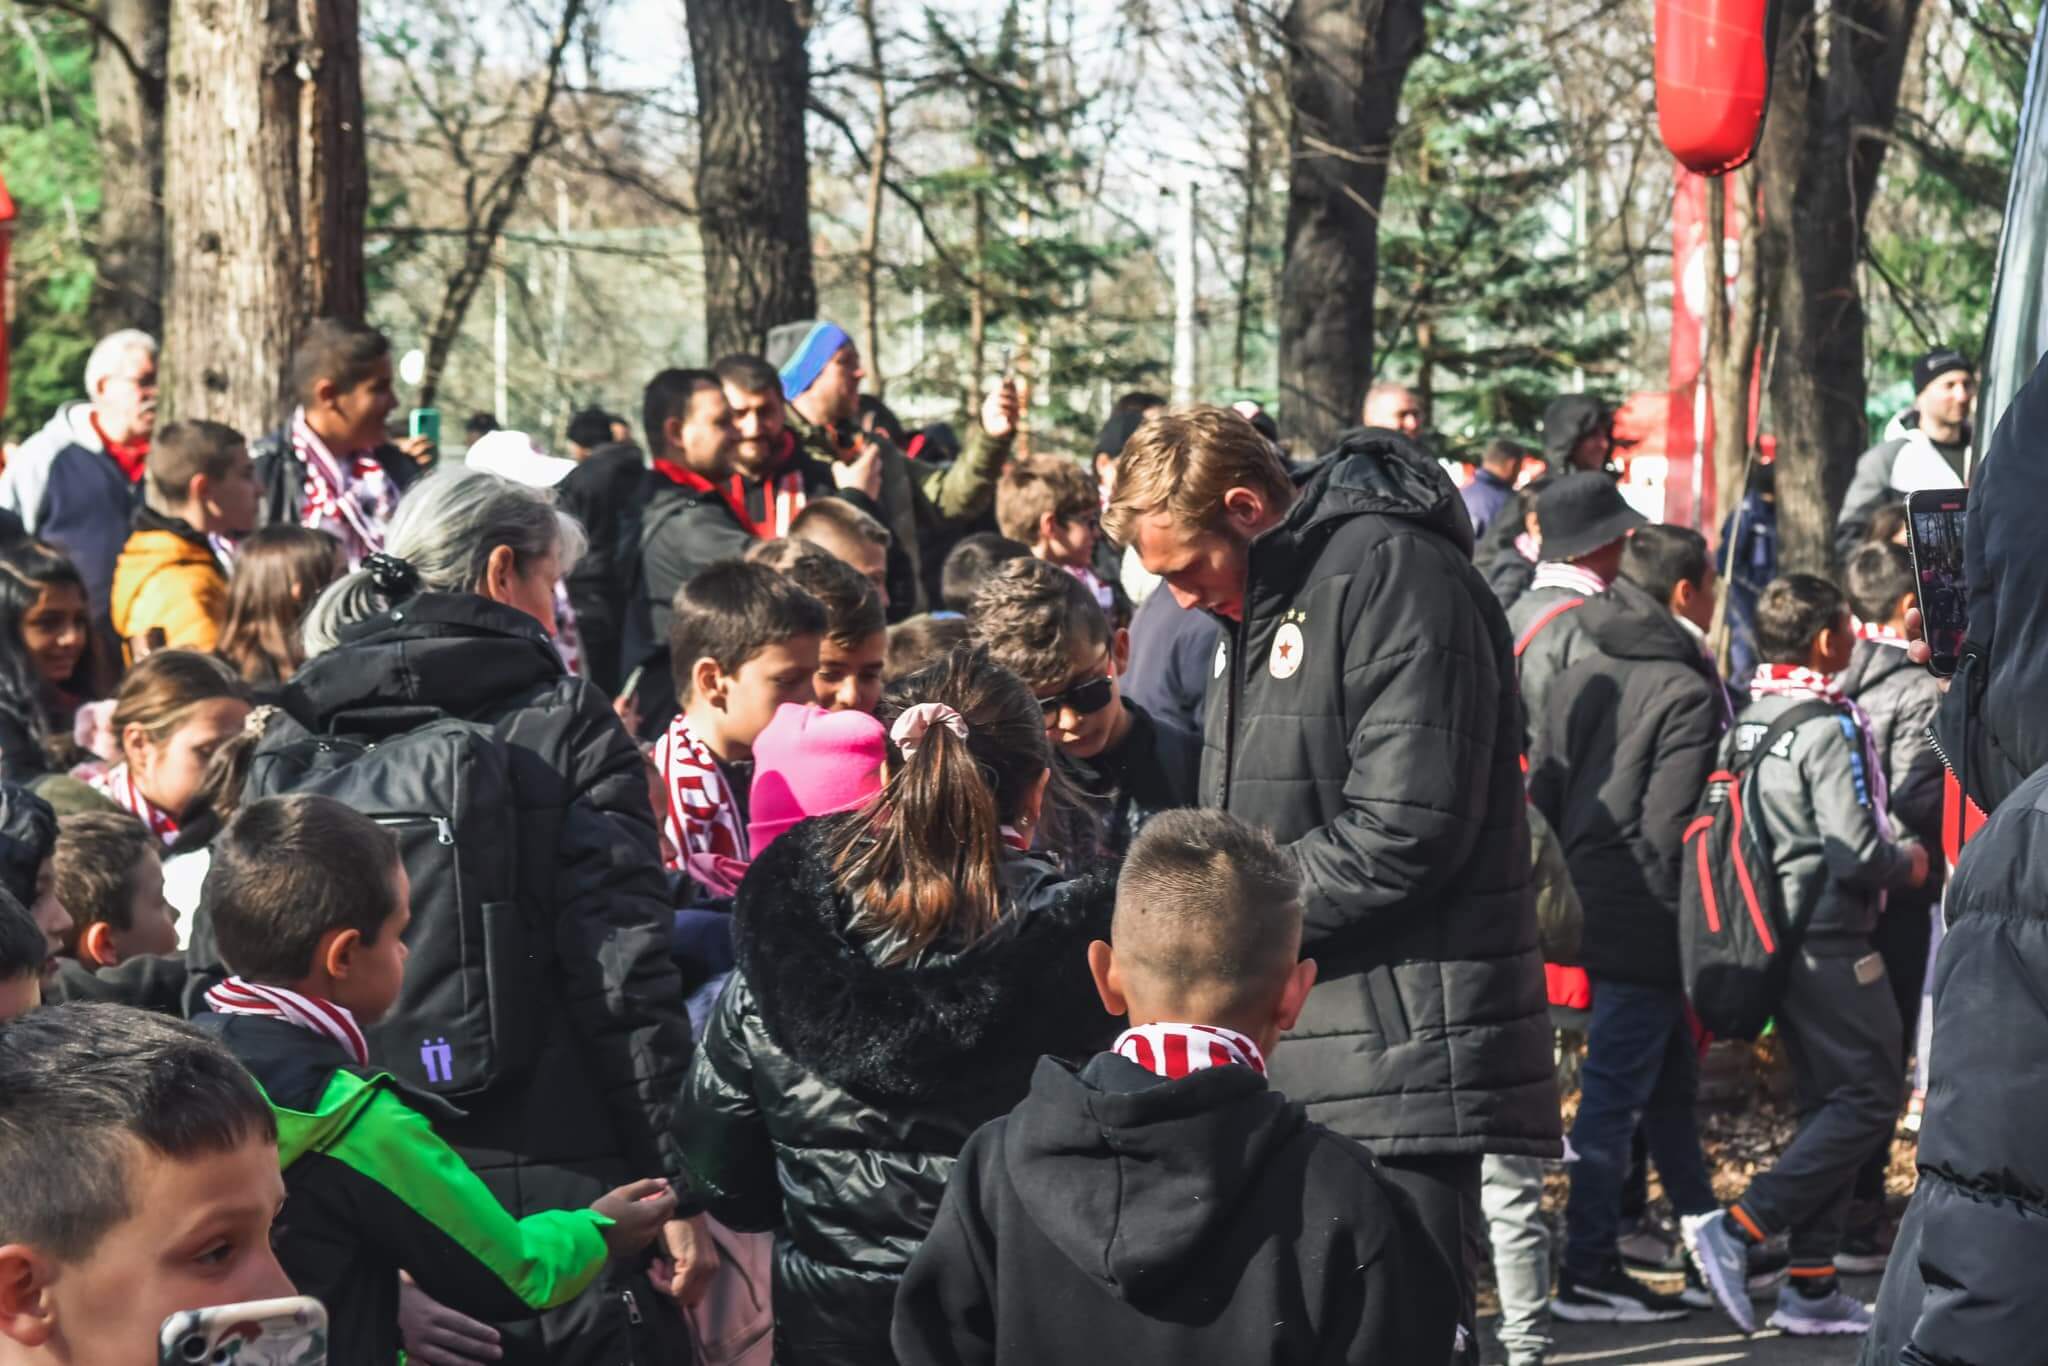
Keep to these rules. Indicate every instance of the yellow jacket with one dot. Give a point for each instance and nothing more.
(168, 580)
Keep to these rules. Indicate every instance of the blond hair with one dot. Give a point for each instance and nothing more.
(1183, 462)
(1037, 486)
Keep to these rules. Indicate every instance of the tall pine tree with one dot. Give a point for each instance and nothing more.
(1486, 300)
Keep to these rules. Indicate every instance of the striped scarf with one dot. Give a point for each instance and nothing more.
(119, 785)
(703, 818)
(349, 496)
(236, 996)
(1878, 633)
(1174, 1050)
(1570, 577)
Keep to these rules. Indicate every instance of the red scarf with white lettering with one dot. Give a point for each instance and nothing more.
(119, 785)
(1174, 1050)
(239, 997)
(782, 495)
(703, 820)
(1795, 680)
(349, 496)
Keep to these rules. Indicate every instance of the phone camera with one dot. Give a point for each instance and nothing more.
(192, 1347)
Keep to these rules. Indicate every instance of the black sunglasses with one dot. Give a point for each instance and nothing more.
(1086, 698)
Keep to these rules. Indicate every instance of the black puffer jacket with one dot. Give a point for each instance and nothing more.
(1367, 716)
(595, 1108)
(603, 494)
(1620, 757)
(831, 1095)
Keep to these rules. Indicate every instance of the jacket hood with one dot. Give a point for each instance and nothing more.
(1872, 664)
(904, 1030)
(454, 653)
(1374, 471)
(1131, 1176)
(1628, 623)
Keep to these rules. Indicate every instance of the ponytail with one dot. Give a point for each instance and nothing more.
(922, 861)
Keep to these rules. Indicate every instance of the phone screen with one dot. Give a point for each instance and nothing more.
(427, 422)
(1935, 525)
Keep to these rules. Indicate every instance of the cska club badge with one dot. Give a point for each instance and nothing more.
(1286, 656)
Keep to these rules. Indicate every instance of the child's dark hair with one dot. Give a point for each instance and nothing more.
(853, 609)
(280, 571)
(342, 352)
(972, 561)
(1878, 575)
(836, 514)
(78, 1084)
(28, 840)
(1045, 484)
(1886, 524)
(733, 610)
(1032, 615)
(186, 449)
(23, 950)
(287, 870)
(97, 853)
(921, 861)
(917, 641)
(1659, 557)
(164, 688)
(1791, 612)
(26, 572)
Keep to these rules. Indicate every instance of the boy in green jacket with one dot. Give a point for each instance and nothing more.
(315, 939)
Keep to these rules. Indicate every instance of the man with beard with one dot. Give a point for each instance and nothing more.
(800, 437)
(1923, 447)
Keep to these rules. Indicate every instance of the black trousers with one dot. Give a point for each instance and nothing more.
(1446, 1194)
(1901, 939)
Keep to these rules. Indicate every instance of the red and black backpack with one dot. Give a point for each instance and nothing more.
(1735, 939)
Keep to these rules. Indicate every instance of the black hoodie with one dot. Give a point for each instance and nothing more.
(1366, 714)
(1617, 763)
(1118, 1216)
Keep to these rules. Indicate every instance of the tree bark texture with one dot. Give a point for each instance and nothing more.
(871, 231)
(753, 172)
(1834, 96)
(128, 94)
(264, 191)
(1346, 62)
(1734, 325)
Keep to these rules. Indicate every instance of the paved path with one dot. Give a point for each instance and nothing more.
(1706, 1338)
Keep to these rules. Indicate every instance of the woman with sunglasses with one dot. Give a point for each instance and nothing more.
(1116, 764)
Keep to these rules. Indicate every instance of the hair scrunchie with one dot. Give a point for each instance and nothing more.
(395, 578)
(910, 728)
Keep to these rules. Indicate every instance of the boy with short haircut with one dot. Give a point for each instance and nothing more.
(849, 535)
(1163, 1202)
(743, 640)
(170, 589)
(155, 1184)
(1821, 792)
(855, 647)
(24, 952)
(1050, 506)
(1041, 622)
(1900, 698)
(310, 905)
(968, 565)
(123, 941)
(915, 643)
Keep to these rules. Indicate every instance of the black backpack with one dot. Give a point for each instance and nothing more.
(1735, 941)
(464, 1020)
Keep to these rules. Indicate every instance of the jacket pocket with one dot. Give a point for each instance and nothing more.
(1383, 1002)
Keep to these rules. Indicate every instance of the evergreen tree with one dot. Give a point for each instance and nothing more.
(1486, 300)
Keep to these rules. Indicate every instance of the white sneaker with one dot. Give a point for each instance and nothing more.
(1805, 1318)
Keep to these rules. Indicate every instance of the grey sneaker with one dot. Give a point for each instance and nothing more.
(1644, 1246)
(1723, 1262)
(1805, 1318)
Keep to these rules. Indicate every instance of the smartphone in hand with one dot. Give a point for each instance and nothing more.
(291, 1331)
(1935, 519)
(425, 422)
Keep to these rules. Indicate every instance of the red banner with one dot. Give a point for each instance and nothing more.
(6, 217)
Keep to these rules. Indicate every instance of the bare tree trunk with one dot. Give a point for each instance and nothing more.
(128, 95)
(490, 208)
(1832, 105)
(263, 196)
(1346, 62)
(1733, 328)
(871, 233)
(977, 314)
(1247, 243)
(753, 171)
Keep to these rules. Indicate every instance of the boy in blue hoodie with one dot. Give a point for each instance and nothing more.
(1162, 1202)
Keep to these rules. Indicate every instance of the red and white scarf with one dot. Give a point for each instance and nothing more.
(1174, 1050)
(703, 819)
(1878, 633)
(239, 997)
(782, 495)
(1795, 680)
(348, 495)
(1570, 577)
(119, 785)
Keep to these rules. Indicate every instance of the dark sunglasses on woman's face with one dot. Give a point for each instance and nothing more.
(1085, 698)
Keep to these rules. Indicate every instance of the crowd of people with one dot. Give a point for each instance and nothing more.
(795, 886)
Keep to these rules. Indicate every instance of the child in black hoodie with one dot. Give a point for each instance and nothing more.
(1163, 1202)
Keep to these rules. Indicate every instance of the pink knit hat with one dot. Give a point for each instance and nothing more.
(811, 762)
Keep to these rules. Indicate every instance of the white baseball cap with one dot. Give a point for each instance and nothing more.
(512, 455)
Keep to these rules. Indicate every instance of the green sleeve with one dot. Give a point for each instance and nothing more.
(967, 486)
(437, 1219)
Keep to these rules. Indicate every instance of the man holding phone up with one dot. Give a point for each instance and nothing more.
(819, 366)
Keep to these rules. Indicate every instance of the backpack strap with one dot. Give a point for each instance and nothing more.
(1536, 626)
(1783, 726)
